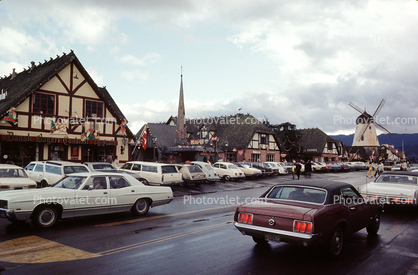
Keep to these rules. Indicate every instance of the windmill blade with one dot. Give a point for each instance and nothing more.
(364, 130)
(379, 107)
(383, 129)
(355, 107)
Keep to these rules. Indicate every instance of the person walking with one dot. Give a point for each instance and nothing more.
(370, 170)
(293, 170)
(308, 168)
(379, 169)
(297, 169)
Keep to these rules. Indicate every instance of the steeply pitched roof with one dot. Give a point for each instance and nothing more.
(165, 134)
(237, 129)
(21, 85)
(314, 140)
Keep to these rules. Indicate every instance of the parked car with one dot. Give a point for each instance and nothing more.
(248, 171)
(334, 167)
(282, 169)
(273, 166)
(108, 167)
(344, 167)
(155, 173)
(13, 177)
(192, 174)
(320, 167)
(211, 175)
(47, 173)
(228, 171)
(308, 213)
(393, 187)
(357, 165)
(82, 194)
(288, 166)
(267, 171)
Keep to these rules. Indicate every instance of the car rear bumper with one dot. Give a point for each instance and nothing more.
(285, 236)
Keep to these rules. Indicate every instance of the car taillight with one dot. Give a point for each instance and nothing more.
(245, 218)
(4, 186)
(302, 226)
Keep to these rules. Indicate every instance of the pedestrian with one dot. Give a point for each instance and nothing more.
(116, 162)
(370, 170)
(109, 158)
(379, 169)
(297, 169)
(293, 170)
(308, 168)
(404, 166)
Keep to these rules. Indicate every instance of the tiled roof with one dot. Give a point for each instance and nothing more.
(314, 139)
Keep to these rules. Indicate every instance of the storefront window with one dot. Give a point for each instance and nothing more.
(270, 158)
(255, 157)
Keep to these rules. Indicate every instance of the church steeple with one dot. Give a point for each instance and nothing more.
(181, 135)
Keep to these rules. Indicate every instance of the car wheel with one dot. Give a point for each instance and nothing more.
(374, 226)
(226, 177)
(335, 242)
(140, 207)
(44, 217)
(44, 184)
(261, 241)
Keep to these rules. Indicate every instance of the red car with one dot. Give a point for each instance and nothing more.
(308, 213)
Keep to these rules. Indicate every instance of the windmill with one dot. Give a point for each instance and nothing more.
(365, 134)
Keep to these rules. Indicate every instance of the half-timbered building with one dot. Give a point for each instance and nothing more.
(55, 111)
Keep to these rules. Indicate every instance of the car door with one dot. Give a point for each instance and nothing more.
(91, 199)
(38, 172)
(357, 209)
(122, 194)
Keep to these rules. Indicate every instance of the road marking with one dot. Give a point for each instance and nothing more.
(34, 249)
(164, 216)
(162, 239)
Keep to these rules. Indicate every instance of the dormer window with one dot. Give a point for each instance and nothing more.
(43, 103)
(94, 109)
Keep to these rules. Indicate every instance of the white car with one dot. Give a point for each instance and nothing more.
(282, 170)
(249, 171)
(393, 187)
(82, 194)
(13, 177)
(47, 173)
(228, 171)
(211, 175)
(154, 172)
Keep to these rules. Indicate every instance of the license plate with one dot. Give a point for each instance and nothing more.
(271, 237)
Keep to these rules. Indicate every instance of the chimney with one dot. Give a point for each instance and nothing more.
(13, 74)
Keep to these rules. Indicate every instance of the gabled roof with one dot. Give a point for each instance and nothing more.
(20, 86)
(237, 129)
(314, 140)
(166, 134)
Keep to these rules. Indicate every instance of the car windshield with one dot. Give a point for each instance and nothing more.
(12, 173)
(74, 169)
(103, 166)
(244, 165)
(295, 193)
(194, 169)
(232, 166)
(71, 182)
(400, 179)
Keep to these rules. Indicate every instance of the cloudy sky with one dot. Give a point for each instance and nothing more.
(295, 61)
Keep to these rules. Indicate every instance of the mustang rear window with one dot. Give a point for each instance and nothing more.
(297, 193)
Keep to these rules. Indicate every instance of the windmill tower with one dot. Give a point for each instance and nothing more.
(365, 134)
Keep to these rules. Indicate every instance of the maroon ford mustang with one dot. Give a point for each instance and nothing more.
(309, 213)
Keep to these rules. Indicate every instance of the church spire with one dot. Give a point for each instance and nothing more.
(181, 129)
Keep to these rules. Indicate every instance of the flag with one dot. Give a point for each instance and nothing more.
(144, 139)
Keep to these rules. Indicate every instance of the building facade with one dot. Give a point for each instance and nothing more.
(55, 111)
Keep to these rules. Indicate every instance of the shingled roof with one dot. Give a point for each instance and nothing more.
(20, 86)
(313, 139)
(237, 129)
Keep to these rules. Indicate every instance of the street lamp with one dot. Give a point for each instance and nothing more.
(226, 156)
